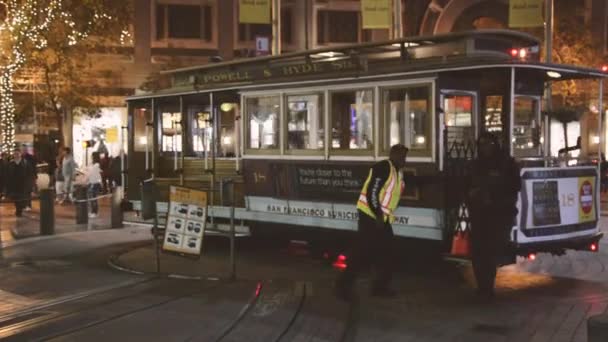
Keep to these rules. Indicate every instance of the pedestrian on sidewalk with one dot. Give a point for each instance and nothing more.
(374, 243)
(68, 170)
(93, 177)
(59, 180)
(31, 175)
(18, 187)
(493, 185)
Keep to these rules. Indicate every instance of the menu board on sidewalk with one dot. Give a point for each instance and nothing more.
(185, 221)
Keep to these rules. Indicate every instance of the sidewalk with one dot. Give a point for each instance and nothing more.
(14, 228)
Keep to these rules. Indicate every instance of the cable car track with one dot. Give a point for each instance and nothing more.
(50, 317)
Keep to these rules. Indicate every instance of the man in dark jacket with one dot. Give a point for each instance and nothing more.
(17, 187)
(3, 173)
(376, 205)
(31, 175)
(493, 186)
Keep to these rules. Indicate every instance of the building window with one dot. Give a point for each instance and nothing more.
(171, 135)
(183, 22)
(337, 26)
(407, 118)
(352, 120)
(305, 122)
(263, 115)
(248, 32)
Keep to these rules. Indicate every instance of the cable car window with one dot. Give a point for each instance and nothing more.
(459, 118)
(263, 115)
(202, 131)
(407, 118)
(526, 130)
(352, 120)
(141, 117)
(493, 114)
(305, 122)
(171, 138)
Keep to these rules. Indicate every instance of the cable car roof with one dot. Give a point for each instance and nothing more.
(408, 56)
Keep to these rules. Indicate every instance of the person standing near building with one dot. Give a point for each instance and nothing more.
(17, 188)
(374, 243)
(4, 162)
(68, 169)
(31, 175)
(93, 176)
(493, 185)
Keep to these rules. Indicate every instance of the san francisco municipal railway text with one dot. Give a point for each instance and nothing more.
(324, 213)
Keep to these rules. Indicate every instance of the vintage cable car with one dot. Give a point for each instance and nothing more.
(298, 132)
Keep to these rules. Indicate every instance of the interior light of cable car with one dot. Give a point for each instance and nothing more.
(263, 116)
(406, 115)
(352, 119)
(305, 122)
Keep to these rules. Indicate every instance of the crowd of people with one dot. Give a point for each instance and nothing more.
(19, 171)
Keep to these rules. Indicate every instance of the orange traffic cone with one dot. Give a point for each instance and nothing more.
(461, 244)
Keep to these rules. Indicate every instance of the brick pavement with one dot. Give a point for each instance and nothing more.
(547, 299)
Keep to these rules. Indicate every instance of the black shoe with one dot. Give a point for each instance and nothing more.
(384, 292)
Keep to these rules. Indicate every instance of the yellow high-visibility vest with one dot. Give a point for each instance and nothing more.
(389, 195)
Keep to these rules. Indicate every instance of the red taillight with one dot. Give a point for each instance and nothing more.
(604, 68)
(340, 262)
(514, 52)
(532, 256)
(593, 247)
(258, 289)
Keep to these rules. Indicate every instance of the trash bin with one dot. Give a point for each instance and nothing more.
(82, 211)
(47, 212)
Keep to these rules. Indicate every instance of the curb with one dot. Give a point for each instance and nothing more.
(40, 238)
(112, 262)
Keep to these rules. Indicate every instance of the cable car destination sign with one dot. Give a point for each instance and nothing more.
(201, 78)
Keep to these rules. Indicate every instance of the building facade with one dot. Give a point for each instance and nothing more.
(176, 33)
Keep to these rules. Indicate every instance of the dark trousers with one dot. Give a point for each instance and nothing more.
(94, 190)
(373, 246)
(489, 239)
(20, 202)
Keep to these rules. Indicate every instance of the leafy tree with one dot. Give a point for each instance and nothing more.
(57, 37)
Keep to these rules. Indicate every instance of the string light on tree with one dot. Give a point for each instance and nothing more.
(23, 27)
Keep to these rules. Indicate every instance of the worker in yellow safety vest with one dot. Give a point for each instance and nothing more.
(376, 205)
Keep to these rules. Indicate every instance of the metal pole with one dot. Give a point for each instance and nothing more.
(183, 129)
(276, 27)
(511, 110)
(600, 122)
(548, 57)
(154, 137)
(212, 149)
(232, 233)
(156, 247)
